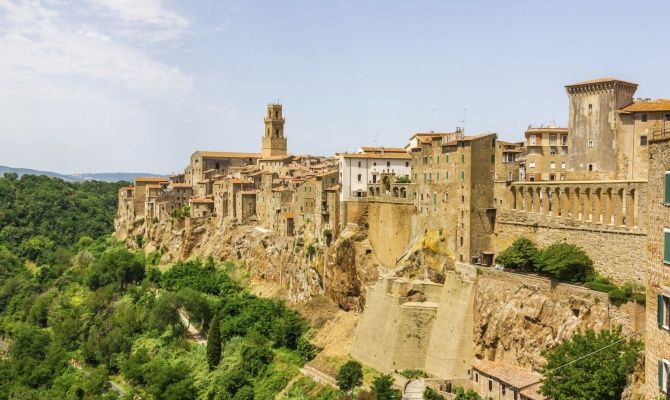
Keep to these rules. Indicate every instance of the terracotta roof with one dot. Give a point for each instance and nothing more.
(254, 192)
(599, 80)
(239, 181)
(147, 179)
(152, 186)
(383, 150)
(648, 106)
(546, 129)
(399, 156)
(276, 158)
(200, 200)
(181, 186)
(512, 375)
(226, 154)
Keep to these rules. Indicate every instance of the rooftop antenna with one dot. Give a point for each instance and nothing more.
(462, 122)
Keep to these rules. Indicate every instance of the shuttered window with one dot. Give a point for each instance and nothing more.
(663, 372)
(663, 312)
(666, 246)
(667, 188)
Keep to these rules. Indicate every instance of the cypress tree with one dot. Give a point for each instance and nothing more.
(214, 343)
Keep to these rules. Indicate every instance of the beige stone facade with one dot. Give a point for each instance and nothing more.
(546, 154)
(657, 344)
(453, 193)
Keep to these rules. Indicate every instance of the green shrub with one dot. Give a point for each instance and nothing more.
(431, 394)
(564, 261)
(520, 255)
(617, 296)
(600, 287)
(413, 373)
(350, 376)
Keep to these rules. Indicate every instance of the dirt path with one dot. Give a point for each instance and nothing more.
(318, 376)
(191, 332)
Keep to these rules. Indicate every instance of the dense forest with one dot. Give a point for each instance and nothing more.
(82, 317)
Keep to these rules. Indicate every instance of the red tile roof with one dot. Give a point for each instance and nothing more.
(648, 106)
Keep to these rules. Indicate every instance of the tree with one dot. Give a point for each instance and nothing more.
(519, 255)
(462, 394)
(431, 394)
(382, 388)
(115, 265)
(214, 343)
(350, 376)
(590, 366)
(565, 262)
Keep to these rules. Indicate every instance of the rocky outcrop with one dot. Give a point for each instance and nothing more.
(517, 316)
(303, 264)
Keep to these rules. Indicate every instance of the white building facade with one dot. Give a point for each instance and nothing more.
(358, 170)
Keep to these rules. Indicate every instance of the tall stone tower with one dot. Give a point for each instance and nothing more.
(274, 141)
(594, 128)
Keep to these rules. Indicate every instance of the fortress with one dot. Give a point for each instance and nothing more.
(446, 204)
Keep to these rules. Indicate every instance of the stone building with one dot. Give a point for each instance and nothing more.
(206, 166)
(453, 193)
(546, 154)
(361, 169)
(201, 207)
(141, 191)
(657, 341)
(609, 130)
(498, 381)
(274, 141)
(508, 161)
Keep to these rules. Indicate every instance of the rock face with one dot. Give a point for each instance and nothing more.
(517, 316)
(302, 264)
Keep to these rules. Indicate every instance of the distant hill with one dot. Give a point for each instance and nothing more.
(100, 176)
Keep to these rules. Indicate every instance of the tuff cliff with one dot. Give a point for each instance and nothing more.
(303, 264)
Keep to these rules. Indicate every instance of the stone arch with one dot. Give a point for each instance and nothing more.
(395, 191)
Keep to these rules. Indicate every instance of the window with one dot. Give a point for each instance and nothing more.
(406, 163)
(490, 380)
(564, 140)
(359, 177)
(437, 159)
(446, 157)
(590, 144)
(553, 151)
(552, 165)
(552, 177)
(643, 117)
(446, 197)
(590, 167)
(643, 140)
(462, 175)
(493, 158)
(437, 176)
(666, 246)
(667, 188)
(476, 376)
(388, 163)
(552, 139)
(503, 389)
(562, 164)
(664, 375)
(663, 311)
(359, 164)
(374, 163)
(425, 161)
(531, 139)
(462, 158)
(446, 176)
(667, 117)
(531, 164)
(532, 151)
(590, 107)
(374, 178)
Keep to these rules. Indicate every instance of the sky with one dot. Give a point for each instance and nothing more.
(138, 85)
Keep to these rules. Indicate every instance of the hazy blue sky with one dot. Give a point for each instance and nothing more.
(106, 85)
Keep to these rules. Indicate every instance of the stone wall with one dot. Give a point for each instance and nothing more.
(607, 219)
(658, 273)
(390, 230)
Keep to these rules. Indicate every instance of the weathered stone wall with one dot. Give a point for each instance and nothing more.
(658, 273)
(618, 254)
(518, 316)
(390, 230)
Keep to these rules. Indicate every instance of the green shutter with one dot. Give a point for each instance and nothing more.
(666, 247)
(446, 176)
(660, 312)
(446, 158)
(463, 158)
(660, 374)
(667, 188)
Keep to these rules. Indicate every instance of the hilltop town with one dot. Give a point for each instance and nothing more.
(408, 237)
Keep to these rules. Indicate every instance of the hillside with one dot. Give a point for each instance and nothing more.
(90, 176)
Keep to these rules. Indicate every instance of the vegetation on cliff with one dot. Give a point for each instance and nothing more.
(83, 317)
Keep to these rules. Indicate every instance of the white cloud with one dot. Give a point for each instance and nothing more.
(149, 19)
(37, 44)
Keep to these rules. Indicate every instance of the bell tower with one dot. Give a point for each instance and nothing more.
(274, 141)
